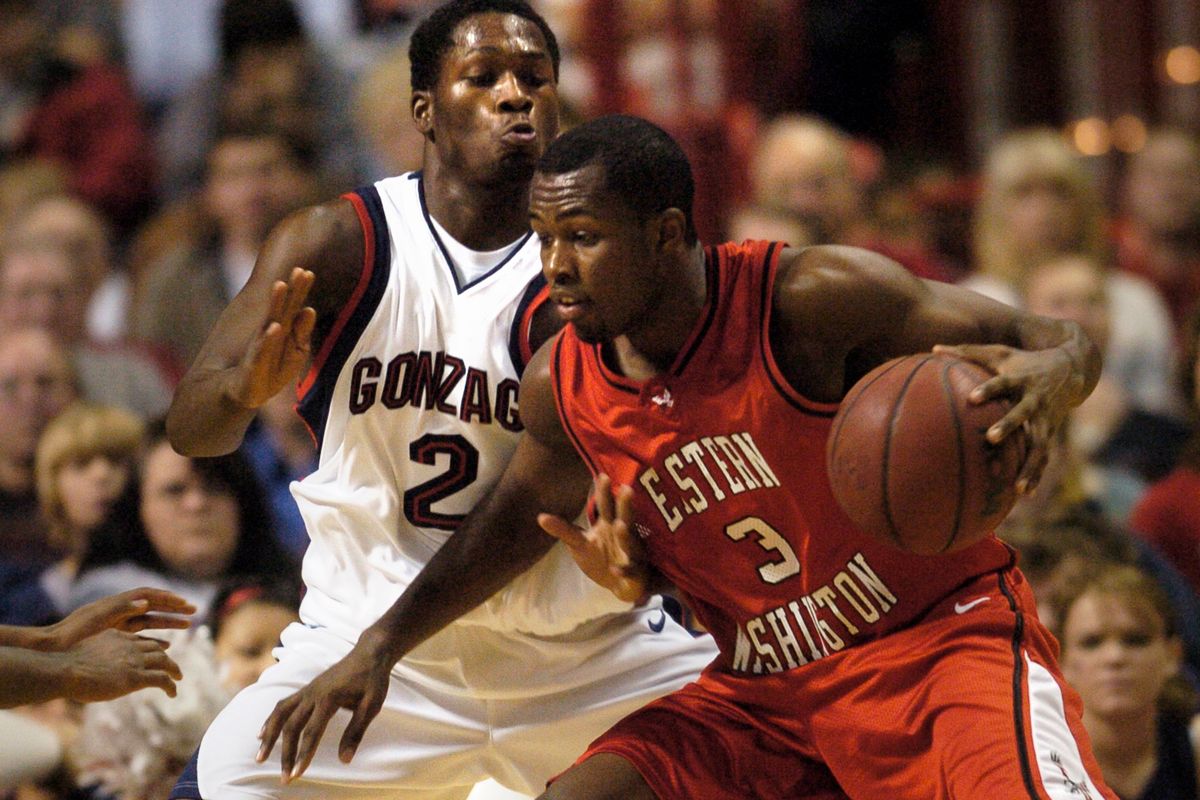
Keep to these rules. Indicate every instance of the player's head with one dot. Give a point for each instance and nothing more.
(484, 82)
(611, 202)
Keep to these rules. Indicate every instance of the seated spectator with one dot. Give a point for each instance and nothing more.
(186, 524)
(1122, 448)
(246, 621)
(1168, 513)
(68, 222)
(1158, 233)
(1121, 652)
(75, 108)
(281, 449)
(45, 286)
(36, 384)
(85, 460)
(805, 167)
(255, 176)
(1037, 203)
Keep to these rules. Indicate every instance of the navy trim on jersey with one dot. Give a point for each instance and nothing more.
(562, 407)
(1018, 686)
(187, 787)
(314, 406)
(446, 253)
(518, 327)
(764, 341)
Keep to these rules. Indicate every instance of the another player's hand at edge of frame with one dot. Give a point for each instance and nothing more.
(358, 682)
(1042, 385)
(607, 551)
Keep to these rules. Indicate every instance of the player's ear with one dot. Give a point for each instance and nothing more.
(422, 113)
(672, 229)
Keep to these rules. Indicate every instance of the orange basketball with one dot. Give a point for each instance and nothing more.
(907, 457)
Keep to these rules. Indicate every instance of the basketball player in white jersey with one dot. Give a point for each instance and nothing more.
(406, 309)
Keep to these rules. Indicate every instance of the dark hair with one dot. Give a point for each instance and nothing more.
(301, 152)
(234, 593)
(256, 23)
(435, 35)
(643, 166)
(122, 537)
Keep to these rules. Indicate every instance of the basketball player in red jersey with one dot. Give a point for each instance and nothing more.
(703, 382)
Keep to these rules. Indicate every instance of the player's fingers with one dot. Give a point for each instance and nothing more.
(602, 491)
(310, 737)
(302, 330)
(278, 301)
(1014, 420)
(299, 282)
(155, 622)
(624, 503)
(366, 711)
(570, 535)
(289, 738)
(274, 724)
(157, 679)
(985, 355)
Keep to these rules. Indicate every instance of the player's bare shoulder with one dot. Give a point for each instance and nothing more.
(326, 239)
(539, 409)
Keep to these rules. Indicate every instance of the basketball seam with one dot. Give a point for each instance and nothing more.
(887, 447)
(845, 411)
(952, 400)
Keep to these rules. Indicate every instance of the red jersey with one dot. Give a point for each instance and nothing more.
(731, 495)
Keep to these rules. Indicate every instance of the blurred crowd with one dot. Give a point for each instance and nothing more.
(147, 148)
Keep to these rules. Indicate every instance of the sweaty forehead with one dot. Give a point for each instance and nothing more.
(578, 191)
(496, 32)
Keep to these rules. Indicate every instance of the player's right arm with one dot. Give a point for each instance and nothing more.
(265, 336)
(495, 543)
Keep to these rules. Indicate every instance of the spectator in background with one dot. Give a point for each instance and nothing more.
(1121, 448)
(1158, 236)
(255, 176)
(381, 97)
(85, 460)
(1168, 514)
(72, 106)
(1037, 202)
(268, 73)
(806, 167)
(247, 619)
(186, 524)
(281, 449)
(1121, 652)
(36, 384)
(46, 286)
(62, 220)
(768, 223)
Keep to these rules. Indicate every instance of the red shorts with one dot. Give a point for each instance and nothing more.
(966, 704)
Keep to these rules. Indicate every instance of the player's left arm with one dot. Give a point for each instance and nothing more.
(840, 311)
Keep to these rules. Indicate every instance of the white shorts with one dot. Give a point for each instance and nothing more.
(433, 739)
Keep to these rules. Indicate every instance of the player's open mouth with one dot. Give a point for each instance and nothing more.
(569, 308)
(523, 133)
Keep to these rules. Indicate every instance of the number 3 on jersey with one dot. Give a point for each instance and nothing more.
(768, 539)
(461, 472)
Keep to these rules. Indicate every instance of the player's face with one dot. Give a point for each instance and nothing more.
(495, 105)
(1116, 653)
(597, 256)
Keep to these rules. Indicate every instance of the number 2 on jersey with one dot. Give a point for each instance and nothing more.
(768, 539)
(461, 473)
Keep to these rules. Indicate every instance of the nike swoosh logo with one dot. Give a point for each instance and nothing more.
(962, 608)
(658, 626)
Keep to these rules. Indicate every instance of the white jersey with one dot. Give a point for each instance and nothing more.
(413, 400)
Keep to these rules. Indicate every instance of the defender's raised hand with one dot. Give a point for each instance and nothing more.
(607, 552)
(282, 347)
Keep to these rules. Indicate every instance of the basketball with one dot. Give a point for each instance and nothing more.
(907, 457)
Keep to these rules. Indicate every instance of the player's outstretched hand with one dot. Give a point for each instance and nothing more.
(359, 683)
(1043, 384)
(132, 611)
(283, 345)
(113, 663)
(607, 551)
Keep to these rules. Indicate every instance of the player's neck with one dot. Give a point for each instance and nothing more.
(652, 348)
(480, 217)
